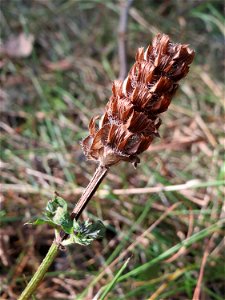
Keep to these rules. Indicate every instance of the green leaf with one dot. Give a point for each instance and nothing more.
(85, 233)
(54, 204)
(56, 215)
(91, 229)
(42, 220)
(67, 224)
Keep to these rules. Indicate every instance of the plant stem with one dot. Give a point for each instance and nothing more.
(93, 185)
(40, 273)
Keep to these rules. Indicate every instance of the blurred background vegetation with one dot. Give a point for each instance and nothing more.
(58, 61)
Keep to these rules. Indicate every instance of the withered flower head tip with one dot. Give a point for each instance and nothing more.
(131, 119)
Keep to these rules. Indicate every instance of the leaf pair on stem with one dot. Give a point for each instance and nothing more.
(57, 216)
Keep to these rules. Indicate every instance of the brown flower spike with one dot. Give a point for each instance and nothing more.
(129, 123)
(131, 119)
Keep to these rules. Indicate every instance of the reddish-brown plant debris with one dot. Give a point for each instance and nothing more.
(131, 120)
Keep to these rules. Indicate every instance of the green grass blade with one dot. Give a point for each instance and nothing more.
(111, 285)
(186, 243)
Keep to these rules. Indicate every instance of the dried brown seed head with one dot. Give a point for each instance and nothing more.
(131, 121)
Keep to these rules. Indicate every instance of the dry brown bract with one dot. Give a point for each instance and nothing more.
(131, 120)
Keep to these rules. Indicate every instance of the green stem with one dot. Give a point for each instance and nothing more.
(40, 273)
